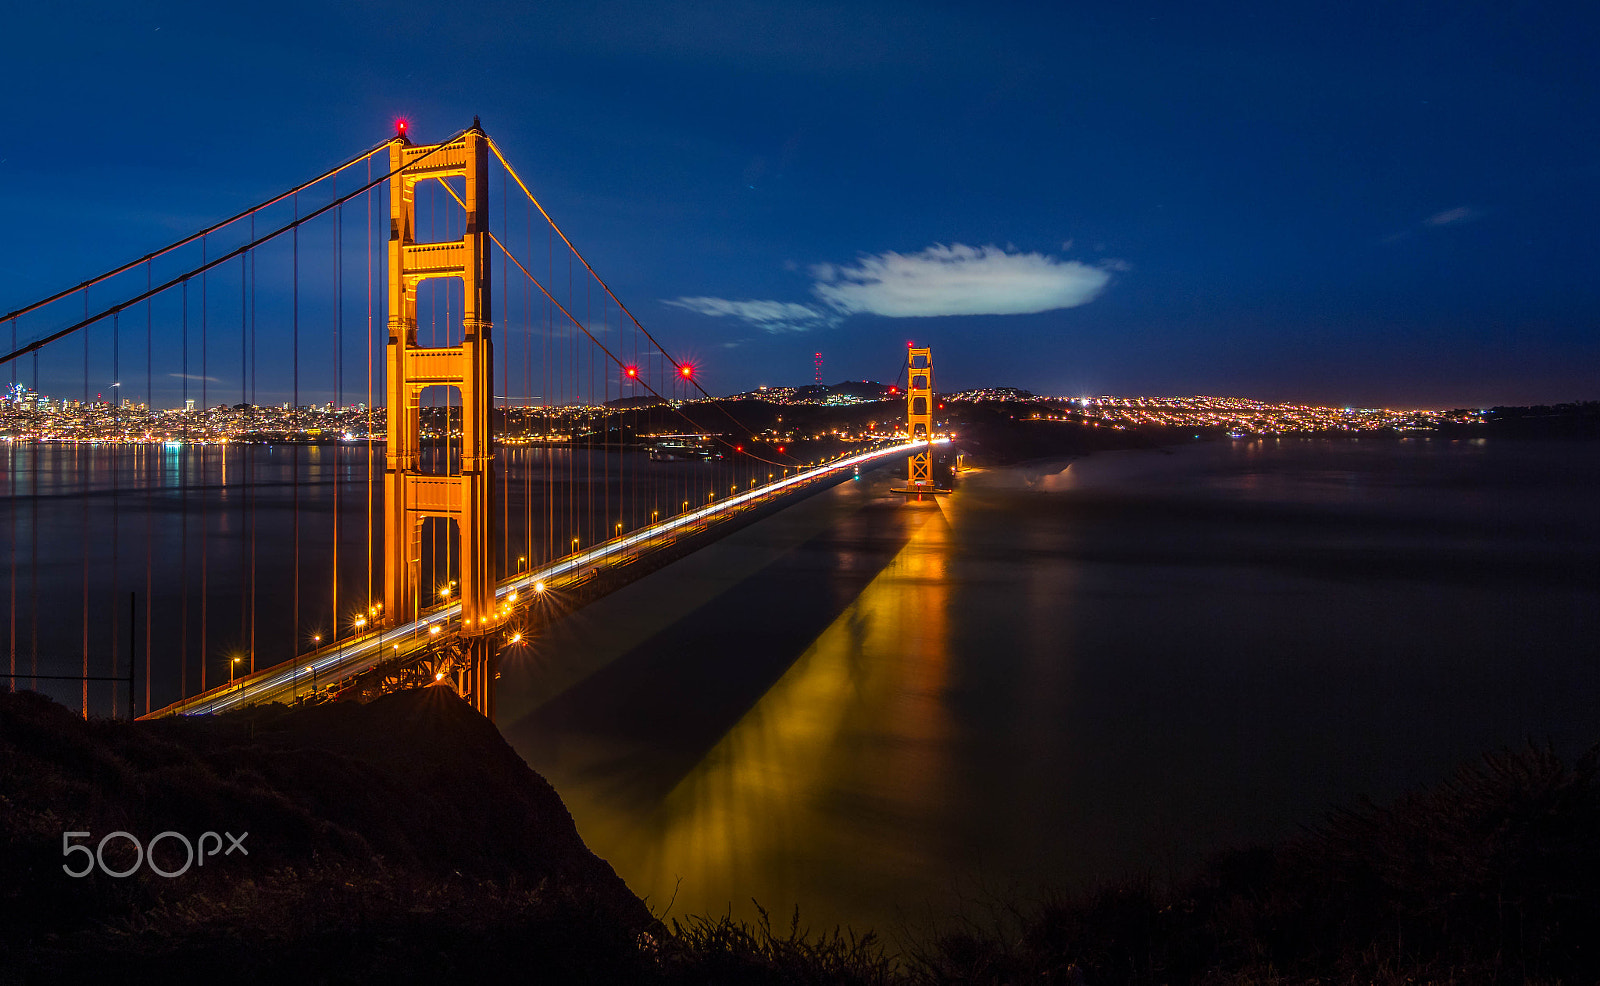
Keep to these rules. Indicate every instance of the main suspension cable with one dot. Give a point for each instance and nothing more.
(624, 308)
(585, 329)
(38, 344)
(195, 236)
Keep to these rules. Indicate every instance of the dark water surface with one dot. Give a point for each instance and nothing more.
(1067, 671)
(254, 551)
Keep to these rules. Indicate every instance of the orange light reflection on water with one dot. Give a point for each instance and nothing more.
(839, 759)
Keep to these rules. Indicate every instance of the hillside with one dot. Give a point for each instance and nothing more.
(403, 834)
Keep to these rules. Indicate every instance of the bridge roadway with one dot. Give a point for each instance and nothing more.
(341, 659)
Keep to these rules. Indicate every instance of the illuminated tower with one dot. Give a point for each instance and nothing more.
(919, 418)
(410, 494)
(816, 361)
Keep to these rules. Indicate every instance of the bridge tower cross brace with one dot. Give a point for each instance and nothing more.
(919, 415)
(410, 494)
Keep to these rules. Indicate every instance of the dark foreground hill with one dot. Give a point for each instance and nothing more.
(403, 841)
(385, 840)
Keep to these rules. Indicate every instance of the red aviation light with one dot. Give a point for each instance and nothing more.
(686, 371)
(400, 126)
(632, 372)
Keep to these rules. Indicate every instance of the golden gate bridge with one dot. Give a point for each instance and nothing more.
(476, 515)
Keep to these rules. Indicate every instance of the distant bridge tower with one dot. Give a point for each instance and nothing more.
(919, 422)
(411, 495)
(816, 360)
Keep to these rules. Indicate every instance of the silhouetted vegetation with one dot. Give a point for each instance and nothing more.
(1576, 419)
(1491, 877)
(403, 840)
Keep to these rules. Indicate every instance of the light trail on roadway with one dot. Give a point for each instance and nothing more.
(340, 660)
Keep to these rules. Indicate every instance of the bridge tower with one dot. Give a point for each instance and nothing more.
(919, 422)
(410, 494)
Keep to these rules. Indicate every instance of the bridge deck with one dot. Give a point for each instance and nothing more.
(339, 660)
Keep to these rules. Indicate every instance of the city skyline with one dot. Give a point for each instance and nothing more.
(31, 417)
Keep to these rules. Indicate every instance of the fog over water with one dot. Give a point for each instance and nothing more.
(1067, 671)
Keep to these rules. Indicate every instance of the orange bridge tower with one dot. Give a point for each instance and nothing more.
(461, 496)
(919, 423)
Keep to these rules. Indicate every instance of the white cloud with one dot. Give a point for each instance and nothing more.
(1449, 217)
(1459, 214)
(769, 316)
(941, 280)
(961, 280)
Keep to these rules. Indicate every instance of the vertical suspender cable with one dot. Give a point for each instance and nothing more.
(83, 473)
(447, 332)
(370, 447)
(247, 449)
(504, 544)
(603, 513)
(439, 530)
(550, 404)
(338, 392)
(183, 512)
(116, 455)
(527, 389)
(294, 447)
(11, 509)
(205, 493)
(592, 536)
(149, 485)
(255, 404)
(33, 547)
(433, 340)
(580, 419)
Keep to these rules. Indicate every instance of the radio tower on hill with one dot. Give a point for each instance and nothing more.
(816, 360)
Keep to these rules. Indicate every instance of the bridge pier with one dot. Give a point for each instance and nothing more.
(481, 668)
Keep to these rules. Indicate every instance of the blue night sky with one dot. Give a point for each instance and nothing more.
(1350, 203)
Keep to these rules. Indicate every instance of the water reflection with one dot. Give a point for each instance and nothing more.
(1067, 672)
(855, 728)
